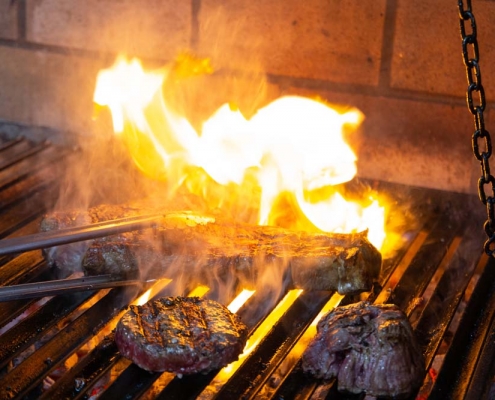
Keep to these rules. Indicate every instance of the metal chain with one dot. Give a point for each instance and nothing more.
(470, 55)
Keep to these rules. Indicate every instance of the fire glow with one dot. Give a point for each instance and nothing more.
(239, 301)
(281, 161)
(225, 373)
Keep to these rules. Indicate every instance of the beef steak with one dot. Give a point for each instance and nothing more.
(348, 263)
(184, 335)
(368, 348)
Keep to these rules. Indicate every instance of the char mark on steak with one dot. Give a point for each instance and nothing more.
(348, 263)
(368, 348)
(183, 335)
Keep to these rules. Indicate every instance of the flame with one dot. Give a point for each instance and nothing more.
(310, 332)
(240, 299)
(157, 287)
(225, 373)
(280, 161)
(199, 291)
(290, 361)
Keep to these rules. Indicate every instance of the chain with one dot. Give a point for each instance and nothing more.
(480, 135)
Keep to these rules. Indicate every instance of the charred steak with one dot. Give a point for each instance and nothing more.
(368, 348)
(347, 263)
(184, 335)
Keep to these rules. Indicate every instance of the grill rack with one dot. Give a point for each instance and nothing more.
(441, 255)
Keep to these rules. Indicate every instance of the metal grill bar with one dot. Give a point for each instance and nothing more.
(24, 334)
(9, 143)
(452, 381)
(18, 151)
(443, 303)
(253, 373)
(481, 385)
(423, 266)
(74, 384)
(45, 157)
(29, 374)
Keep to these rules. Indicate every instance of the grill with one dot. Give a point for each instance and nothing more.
(439, 277)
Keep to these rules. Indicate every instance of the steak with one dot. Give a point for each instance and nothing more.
(184, 335)
(201, 245)
(368, 348)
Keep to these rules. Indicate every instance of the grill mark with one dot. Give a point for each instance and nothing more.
(138, 320)
(154, 311)
(185, 318)
(204, 320)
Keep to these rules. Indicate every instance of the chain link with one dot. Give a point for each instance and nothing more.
(470, 56)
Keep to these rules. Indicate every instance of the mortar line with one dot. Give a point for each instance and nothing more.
(280, 80)
(387, 50)
(21, 20)
(195, 9)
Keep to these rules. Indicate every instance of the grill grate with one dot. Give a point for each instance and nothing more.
(439, 277)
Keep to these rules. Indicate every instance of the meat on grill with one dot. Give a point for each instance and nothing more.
(347, 263)
(368, 348)
(184, 335)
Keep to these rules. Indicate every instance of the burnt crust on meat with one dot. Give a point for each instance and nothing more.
(347, 263)
(183, 335)
(368, 348)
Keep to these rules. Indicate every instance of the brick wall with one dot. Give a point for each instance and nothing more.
(396, 60)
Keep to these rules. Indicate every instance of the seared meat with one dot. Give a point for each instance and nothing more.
(368, 348)
(69, 257)
(347, 263)
(184, 335)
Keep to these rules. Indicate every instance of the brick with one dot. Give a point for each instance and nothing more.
(149, 28)
(417, 144)
(46, 89)
(247, 93)
(335, 40)
(427, 48)
(426, 144)
(8, 19)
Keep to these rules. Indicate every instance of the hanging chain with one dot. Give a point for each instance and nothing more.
(481, 135)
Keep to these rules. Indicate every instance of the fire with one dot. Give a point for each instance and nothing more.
(199, 291)
(281, 161)
(239, 301)
(225, 373)
(157, 287)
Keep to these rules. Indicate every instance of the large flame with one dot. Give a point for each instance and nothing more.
(281, 161)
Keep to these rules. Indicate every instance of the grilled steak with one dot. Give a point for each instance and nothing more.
(69, 257)
(347, 263)
(368, 348)
(184, 335)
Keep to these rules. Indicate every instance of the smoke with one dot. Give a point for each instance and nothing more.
(102, 172)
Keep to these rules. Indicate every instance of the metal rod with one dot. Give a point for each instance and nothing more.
(62, 286)
(79, 233)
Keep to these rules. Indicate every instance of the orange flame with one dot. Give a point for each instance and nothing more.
(279, 161)
(225, 373)
(157, 287)
(240, 299)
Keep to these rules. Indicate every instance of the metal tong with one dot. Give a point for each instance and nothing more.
(70, 235)
(77, 233)
(64, 286)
